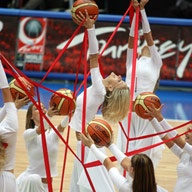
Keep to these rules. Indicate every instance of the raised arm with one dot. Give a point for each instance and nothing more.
(154, 54)
(160, 125)
(121, 157)
(104, 159)
(145, 23)
(124, 161)
(118, 180)
(135, 4)
(93, 43)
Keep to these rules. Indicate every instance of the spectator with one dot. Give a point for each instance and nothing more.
(181, 9)
(56, 5)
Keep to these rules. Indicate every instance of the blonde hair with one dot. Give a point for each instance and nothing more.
(2, 154)
(116, 104)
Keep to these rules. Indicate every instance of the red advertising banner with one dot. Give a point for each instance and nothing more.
(31, 43)
(35, 49)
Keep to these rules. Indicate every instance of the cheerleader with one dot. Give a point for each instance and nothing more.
(34, 178)
(8, 136)
(148, 67)
(112, 94)
(139, 167)
(181, 148)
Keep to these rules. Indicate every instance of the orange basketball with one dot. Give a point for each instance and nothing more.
(143, 100)
(63, 101)
(100, 131)
(16, 88)
(81, 5)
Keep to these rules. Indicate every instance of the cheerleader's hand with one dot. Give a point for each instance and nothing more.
(112, 139)
(52, 111)
(88, 22)
(155, 112)
(86, 140)
(19, 103)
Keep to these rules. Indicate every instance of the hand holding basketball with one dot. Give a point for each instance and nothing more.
(17, 90)
(87, 140)
(89, 22)
(19, 103)
(155, 112)
(79, 7)
(63, 101)
(52, 111)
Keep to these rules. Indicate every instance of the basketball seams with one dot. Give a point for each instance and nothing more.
(103, 136)
(142, 103)
(61, 102)
(81, 5)
(74, 10)
(98, 134)
(75, 7)
(150, 102)
(139, 110)
(143, 100)
(94, 132)
(150, 95)
(64, 102)
(13, 86)
(104, 126)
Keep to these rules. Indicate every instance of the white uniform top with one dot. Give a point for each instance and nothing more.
(95, 97)
(122, 184)
(147, 71)
(184, 169)
(147, 74)
(35, 152)
(8, 133)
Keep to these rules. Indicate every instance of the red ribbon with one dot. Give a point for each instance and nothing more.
(5, 145)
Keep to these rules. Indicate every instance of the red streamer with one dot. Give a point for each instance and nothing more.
(11, 69)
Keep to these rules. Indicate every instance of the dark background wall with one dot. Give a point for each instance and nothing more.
(154, 8)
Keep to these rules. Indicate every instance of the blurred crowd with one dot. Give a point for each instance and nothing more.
(173, 8)
(181, 9)
(56, 5)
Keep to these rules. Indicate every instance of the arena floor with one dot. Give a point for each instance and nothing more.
(177, 101)
(165, 172)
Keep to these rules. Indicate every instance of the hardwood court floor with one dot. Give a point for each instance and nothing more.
(165, 172)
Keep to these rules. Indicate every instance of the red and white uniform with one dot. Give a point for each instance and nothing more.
(8, 133)
(95, 97)
(30, 179)
(147, 74)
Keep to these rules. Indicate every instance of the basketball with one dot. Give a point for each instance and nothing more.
(100, 131)
(143, 100)
(63, 101)
(81, 5)
(16, 88)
